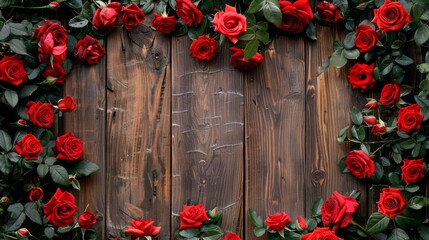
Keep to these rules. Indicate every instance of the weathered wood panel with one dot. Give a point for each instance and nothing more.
(207, 134)
(138, 129)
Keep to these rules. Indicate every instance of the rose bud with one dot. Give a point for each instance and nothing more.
(23, 232)
(66, 104)
(361, 6)
(370, 120)
(301, 224)
(371, 103)
(54, 6)
(378, 129)
(21, 123)
(86, 220)
(35, 194)
(214, 213)
(72, 178)
(4, 200)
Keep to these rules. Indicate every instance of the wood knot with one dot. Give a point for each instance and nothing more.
(318, 177)
(142, 36)
(158, 59)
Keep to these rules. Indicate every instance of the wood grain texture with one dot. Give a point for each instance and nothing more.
(138, 129)
(207, 134)
(86, 84)
(275, 131)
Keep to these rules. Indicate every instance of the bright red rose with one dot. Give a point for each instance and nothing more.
(66, 104)
(391, 16)
(360, 76)
(55, 73)
(391, 202)
(370, 120)
(107, 18)
(188, 12)
(142, 228)
(40, 114)
(12, 70)
(390, 94)
(88, 50)
(193, 216)
(366, 38)
(328, 12)
(320, 234)
(296, 15)
(204, 48)
(378, 129)
(231, 236)
(86, 220)
(371, 103)
(238, 61)
(337, 211)
(52, 42)
(301, 224)
(35, 194)
(278, 221)
(68, 148)
(163, 24)
(60, 209)
(409, 118)
(29, 147)
(359, 164)
(230, 23)
(131, 16)
(412, 170)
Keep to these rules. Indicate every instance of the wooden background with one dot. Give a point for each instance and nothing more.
(165, 128)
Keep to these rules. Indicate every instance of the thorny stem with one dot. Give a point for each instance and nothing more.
(9, 236)
(362, 229)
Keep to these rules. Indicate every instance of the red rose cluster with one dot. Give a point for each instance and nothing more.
(107, 18)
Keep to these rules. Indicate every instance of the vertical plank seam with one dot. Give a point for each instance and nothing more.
(105, 142)
(244, 218)
(170, 58)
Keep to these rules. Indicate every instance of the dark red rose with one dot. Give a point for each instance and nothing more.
(86, 220)
(164, 24)
(391, 16)
(60, 209)
(88, 50)
(321, 234)
(366, 38)
(370, 120)
(230, 23)
(390, 94)
(35, 194)
(193, 216)
(409, 118)
(337, 211)
(412, 170)
(142, 228)
(54, 73)
(52, 42)
(29, 147)
(238, 61)
(359, 164)
(371, 103)
(188, 12)
(23, 232)
(378, 129)
(131, 16)
(296, 16)
(360, 76)
(278, 221)
(107, 18)
(301, 224)
(12, 70)
(66, 104)
(391, 202)
(68, 148)
(204, 48)
(328, 12)
(231, 236)
(40, 114)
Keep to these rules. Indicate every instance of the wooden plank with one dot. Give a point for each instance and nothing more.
(275, 131)
(86, 84)
(207, 134)
(138, 129)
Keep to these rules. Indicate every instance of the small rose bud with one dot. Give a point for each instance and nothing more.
(214, 213)
(301, 224)
(54, 6)
(371, 103)
(378, 129)
(72, 178)
(35, 194)
(24, 232)
(361, 6)
(4, 200)
(67, 104)
(86, 220)
(21, 122)
(370, 120)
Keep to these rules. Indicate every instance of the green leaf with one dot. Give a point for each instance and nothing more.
(398, 234)
(378, 174)
(423, 231)
(7, 3)
(263, 36)
(161, 7)
(397, 157)
(251, 49)
(342, 134)
(78, 22)
(83, 168)
(11, 97)
(42, 170)
(356, 116)
(310, 31)
(407, 221)
(256, 6)
(412, 188)
(255, 218)
(423, 67)
(64, 229)
(31, 211)
(316, 209)
(5, 141)
(16, 218)
(195, 32)
(351, 54)
(49, 232)
(272, 12)
(27, 91)
(18, 46)
(13, 157)
(358, 132)
(349, 40)
(259, 231)
(5, 165)
(59, 175)
(404, 60)
(337, 59)
(18, 29)
(75, 4)
(421, 35)
(377, 223)
(394, 178)
(189, 232)
(418, 202)
(408, 143)
(4, 32)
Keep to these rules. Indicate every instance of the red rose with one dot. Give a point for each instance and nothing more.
(328, 12)
(360, 76)
(88, 50)
(131, 16)
(54, 6)
(204, 48)
(142, 228)
(24, 232)
(391, 202)
(52, 42)
(320, 234)
(238, 61)
(12, 70)
(66, 104)
(366, 38)
(359, 164)
(278, 221)
(371, 103)
(68, 147)
(230, 23)
(29, 147)
(164, 24)
(107, 18)
(40, 114)
(378, 129)
(296, 16)
(60, 209)
(337, 211)
(188, 12)
(390, 94)
(192, 216)
(370, 120)
(35, 194)
(391, 16)
(231, 236)
(86, 220)
(409, 118)
(54, 73)
(412, 170)
(301, 224)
